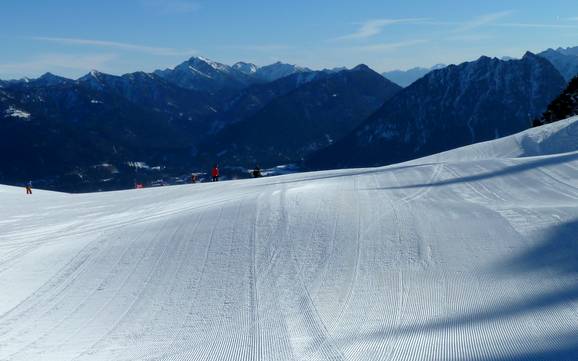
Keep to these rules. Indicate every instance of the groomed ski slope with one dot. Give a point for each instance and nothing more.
(467, 255)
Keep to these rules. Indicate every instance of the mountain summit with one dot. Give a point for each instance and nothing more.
(202, 74)
(49, 79)
(246, 68)
(278, 70)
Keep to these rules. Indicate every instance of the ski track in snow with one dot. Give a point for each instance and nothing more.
(467, 255)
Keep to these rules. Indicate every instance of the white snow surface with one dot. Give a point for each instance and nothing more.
(17, 113)
(467, 255)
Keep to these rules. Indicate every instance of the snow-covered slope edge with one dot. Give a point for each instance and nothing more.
(472, 255)
(559, 137)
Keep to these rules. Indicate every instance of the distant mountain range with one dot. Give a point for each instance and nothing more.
(59, 132)
(405, 78)
(449, 108)
(199, 73)
(309, 118)
(563, 59)
(103, 132)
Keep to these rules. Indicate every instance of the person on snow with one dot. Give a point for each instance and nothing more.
(194, 178)
(257, 172)
(29, 188)
(215, 173)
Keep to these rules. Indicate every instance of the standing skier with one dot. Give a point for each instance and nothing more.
(215, 173)
(257, 172)
(29, 188)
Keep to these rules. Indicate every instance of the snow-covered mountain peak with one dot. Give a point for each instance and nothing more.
(202, 61)
(199, 73)
(93, 75)
(246, 68)
(279, 70)
(97, 80)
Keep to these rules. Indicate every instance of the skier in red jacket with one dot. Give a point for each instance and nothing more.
(215, 173)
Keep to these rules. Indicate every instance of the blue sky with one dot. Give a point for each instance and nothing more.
(71, 37)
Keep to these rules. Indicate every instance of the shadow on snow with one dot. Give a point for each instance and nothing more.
(557, 257)
(508, 170)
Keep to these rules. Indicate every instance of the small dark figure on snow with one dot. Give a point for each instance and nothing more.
(29, 188)
(194, 178)
(257, 172)
(215, 173)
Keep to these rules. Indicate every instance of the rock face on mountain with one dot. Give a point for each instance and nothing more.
(304, 120)
(565, 60)
(563, 107)
(253, 98)
(449, 108)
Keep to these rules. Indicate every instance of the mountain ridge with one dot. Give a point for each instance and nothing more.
(448, 108)
(563, 59)
(305, 119)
